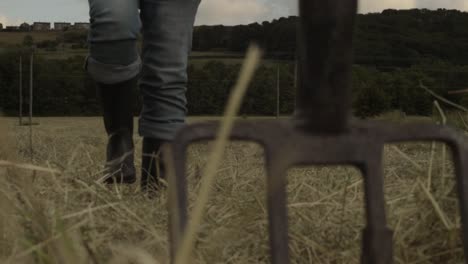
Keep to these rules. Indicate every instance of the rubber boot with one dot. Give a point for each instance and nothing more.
(152, 165)
(117, 103)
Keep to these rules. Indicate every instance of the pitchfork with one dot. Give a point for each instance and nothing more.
(321, 133)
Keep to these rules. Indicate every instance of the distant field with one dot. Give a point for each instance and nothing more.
(12, 38)
(197, 58)
(63, 54)
(207, 54)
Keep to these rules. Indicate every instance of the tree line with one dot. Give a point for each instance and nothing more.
(396, 38)
(63, 89)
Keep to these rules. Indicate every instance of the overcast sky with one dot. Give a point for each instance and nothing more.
(227, 12)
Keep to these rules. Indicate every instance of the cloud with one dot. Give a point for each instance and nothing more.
(366, 6)
(247, 11)
(228, 12)
(3, 20)
(280, 8)
(231, 12)
(449, 4)
(8, 21)
(18, 11)
(377, 6)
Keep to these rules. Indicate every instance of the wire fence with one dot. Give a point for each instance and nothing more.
(273, 88)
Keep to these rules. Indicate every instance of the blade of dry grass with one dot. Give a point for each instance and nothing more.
(465, 125)
(4, 163)
(442, 98)
(89, 210)
(444, 148)
(406, 157)
(321, 200)
(131, 254)
(442, 216)
(431, 162)
(51, 239)
(441, 112)
(234, 103)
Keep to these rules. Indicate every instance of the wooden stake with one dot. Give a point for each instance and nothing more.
(31, 89)
(295, 74)
(278, 93)
(21, 91)
(296, 64)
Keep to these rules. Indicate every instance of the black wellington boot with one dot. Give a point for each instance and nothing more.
(117, 103)
(152, 165)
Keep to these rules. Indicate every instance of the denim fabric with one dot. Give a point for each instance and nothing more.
(167, 27)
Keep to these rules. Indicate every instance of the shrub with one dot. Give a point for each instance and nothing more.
(371, 101)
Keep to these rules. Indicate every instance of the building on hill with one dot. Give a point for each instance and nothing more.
(61, 26)
(81, 25)
(41, 26)
(25, 27)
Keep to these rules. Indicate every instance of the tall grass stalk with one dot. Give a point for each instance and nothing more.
(252, 61)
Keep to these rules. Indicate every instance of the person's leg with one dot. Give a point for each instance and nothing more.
(114, 64)
(115, 25)
(167, 32)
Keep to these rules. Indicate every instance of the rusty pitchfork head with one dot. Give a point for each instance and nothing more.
(321, 133)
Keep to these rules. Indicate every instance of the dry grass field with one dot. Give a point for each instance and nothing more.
(65, 216)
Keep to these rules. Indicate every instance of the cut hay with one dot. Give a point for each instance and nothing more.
(325, 204)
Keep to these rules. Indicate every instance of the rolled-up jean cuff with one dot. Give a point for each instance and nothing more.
(162, 131)
(112, 73)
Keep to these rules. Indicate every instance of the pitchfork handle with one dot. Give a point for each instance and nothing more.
(325, 54)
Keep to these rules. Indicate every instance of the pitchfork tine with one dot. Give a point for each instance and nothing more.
(461, 170)
(377, 246)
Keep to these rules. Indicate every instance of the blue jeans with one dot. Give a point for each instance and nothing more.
(167, 27)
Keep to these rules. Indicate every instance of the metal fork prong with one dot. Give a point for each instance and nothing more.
(460, 156)
(377, 247)
(178, 198)
(277, 209)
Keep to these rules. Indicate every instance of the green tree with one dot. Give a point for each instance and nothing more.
(28, 41)
(370, 97)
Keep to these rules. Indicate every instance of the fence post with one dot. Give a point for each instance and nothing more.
(295, 81)
(295, 74)
(21, 91)
(31, 89)
(278, 92)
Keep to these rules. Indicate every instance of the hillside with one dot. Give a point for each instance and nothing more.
(393, 38)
